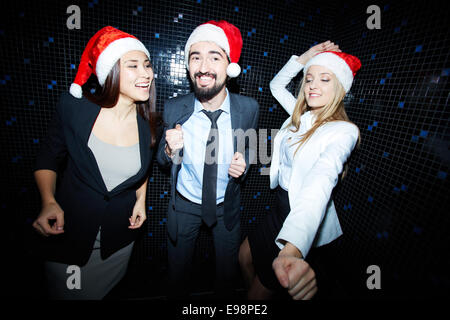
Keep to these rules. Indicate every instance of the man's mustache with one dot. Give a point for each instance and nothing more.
(199, 74)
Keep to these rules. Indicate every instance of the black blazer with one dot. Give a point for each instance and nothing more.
(81, 192)
(244, 113)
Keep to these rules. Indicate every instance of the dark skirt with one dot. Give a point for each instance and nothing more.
(262, 240)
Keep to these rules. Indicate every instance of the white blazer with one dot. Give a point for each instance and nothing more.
(316, 166)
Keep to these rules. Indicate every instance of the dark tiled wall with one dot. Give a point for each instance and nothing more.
(391, 204)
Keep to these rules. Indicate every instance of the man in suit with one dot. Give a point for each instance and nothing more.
(209, 155)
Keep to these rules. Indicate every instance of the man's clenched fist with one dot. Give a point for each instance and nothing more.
(174, 140)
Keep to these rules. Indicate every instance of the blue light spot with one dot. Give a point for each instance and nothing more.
(199, 1)
(253, 30)
(385, 154)
(389, 75)
(419, 48)
(369, 128)
(375, 123)
(150, 208)
(150, 234)
(265, 53)
(236, 9)
(244, 71)
(423, 133)
(373, 56)
(260, 89)
(50, 39)
(250, 221)
(358, 170)
(270, 109)
(401, 104)
(445, 72)
(139, 8)
(249, 67)
(72, 66)
(382, 81)
(361, 100)
(302, 24)
(414, 138)
(93, 90)
(31, 102)
(404, 188)
(396, 190)
(442, 175)
(249, 34)
(370, 199)
(157, 35)
(267, 207)
(54, 82)
(271, 16)
(49, 87)
(269, 138)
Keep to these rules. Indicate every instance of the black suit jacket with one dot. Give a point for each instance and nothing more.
(81, 192)
(244, 113)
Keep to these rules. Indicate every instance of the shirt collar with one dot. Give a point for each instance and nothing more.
(198, 107)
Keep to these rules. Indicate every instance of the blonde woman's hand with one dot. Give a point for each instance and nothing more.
(324, 46)
(139, 216)
(50, 211)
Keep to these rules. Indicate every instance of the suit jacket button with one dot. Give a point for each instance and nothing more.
(106, 198)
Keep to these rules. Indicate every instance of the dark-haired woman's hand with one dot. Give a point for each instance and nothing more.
(139, 216)
(324, 46)
(50, 211)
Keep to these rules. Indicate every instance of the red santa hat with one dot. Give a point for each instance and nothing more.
(343, 65)
(101, 53)
(225, 35)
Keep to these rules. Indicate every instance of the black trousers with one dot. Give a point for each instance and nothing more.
(180, 253)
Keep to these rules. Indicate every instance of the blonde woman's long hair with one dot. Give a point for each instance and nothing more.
(334, 110)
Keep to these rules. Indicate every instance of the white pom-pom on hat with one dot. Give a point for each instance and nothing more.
(233, 70)
(76, 91)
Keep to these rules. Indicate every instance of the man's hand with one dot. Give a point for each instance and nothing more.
(174, 140)
(237, 166)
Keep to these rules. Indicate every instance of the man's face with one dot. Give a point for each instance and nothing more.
(207, 69)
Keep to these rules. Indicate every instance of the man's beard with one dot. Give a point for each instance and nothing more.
(206, 94)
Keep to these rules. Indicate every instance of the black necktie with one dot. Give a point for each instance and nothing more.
(209, 187)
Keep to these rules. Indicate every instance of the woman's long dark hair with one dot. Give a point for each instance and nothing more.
(108, 95)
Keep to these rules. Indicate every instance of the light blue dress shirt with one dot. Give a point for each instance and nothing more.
(195, 134)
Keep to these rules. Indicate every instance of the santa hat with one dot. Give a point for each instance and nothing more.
(101, 53)
(225, 35)
(343, 65)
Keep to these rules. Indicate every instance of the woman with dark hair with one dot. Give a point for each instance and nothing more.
(309, 154)
(100, 146)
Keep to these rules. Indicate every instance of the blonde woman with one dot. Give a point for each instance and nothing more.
(309, 154)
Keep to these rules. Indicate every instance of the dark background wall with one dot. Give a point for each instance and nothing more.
(392, 204)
